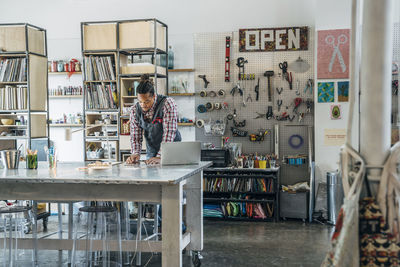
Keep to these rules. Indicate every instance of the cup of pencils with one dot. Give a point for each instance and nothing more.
(31, 159)
(52, 157)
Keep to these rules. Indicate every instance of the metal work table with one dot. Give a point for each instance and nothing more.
(158, 184)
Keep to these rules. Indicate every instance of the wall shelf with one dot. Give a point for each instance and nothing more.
(64, 73)
(185, 124)
(181, 70)
(181, 94)
(65, 125)
(13, 82)
(104, 81)
(65, 96)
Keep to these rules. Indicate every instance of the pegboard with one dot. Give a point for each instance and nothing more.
(209, 60)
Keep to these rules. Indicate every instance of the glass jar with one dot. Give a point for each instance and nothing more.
(60, 66)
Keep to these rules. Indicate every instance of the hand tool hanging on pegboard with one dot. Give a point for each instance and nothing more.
(257, 89)
(227, 58)
(284, 66)
(240, 63)
(204, 80)
(269, 74)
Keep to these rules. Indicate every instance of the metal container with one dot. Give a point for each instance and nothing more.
(10, 158)
(335, 195)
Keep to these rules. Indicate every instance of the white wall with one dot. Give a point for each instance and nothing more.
(184, 18)
(330, 15)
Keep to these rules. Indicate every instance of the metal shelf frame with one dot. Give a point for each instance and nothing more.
(154, 51)
(261, 197)
(27, 55)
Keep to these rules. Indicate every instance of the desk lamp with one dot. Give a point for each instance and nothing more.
(68, 136)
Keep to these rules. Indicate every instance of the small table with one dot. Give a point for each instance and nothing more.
(157, 184)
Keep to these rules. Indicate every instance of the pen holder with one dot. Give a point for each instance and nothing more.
(262, 164)
(52, 161)
(256, 164)
(272, 163)
(32, 161)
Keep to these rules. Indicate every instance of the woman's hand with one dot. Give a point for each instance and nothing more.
(153, 161)
(133, 159)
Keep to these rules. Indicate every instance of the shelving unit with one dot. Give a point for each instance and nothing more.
(126, 41)
(244, 187)
(27, 45)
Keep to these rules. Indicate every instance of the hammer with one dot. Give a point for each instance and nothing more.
(269, 74)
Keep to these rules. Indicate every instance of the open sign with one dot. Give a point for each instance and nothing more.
(273, 39)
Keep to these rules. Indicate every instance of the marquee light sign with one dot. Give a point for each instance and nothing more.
(273, 39)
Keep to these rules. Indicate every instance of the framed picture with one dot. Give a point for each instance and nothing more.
(336, 112)
(326, 92)
(343, 91)
(333, 54)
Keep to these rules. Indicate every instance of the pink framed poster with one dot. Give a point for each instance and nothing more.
(333, 54)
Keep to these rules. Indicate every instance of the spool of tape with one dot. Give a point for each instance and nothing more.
(212, 94)
(199, 123)
(203, 93)
(209, 106)
(201, 109)
(221, 92)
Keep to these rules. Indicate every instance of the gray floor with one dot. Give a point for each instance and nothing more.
(288, 243)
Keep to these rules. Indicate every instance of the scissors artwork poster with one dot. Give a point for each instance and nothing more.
(333, 54)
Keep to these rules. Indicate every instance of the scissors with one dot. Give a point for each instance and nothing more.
(330, 40)
(283, 66)
(309, 86)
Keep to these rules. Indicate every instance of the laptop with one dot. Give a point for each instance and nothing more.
(180, 153)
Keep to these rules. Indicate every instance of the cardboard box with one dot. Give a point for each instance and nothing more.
(142, 68)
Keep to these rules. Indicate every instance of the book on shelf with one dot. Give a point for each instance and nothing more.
(13, 97)
(99, 68)
(251, 185)
(99, 96)
(13, 70)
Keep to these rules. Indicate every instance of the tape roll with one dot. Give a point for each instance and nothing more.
(212, 94)
(203, 93)
(221, 92)
(209, 106)
(201, 109)
(229, 117)
(199, 123)
(217, 106)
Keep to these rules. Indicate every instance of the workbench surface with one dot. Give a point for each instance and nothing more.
(118, 174)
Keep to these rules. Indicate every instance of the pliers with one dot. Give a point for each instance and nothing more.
(260, 115)
(309, 86)
(237, 87)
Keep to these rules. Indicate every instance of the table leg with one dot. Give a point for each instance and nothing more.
(60, 230)
(70, 227)
(34, 233)
(194, 211)
(139, 232)
(171, 200)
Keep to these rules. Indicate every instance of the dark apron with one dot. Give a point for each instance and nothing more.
(153, 129)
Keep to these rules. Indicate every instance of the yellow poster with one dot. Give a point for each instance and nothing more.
(334, 137)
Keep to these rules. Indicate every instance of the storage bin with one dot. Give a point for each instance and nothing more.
(141, 68)
(13, 39)
(140, 34)
(100, 36)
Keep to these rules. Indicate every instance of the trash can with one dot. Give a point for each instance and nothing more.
(335, 195)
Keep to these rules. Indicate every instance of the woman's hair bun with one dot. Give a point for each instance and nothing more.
(144, 78)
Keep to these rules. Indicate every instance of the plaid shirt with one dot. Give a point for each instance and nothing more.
(170, 124)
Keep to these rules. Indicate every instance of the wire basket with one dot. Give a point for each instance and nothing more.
(214, 128)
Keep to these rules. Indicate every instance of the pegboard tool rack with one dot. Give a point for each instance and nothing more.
(209, 59)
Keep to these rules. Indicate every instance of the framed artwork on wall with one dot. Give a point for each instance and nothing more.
(326, 92)
(333, 54)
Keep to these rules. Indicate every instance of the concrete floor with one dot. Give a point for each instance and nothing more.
(286, 243)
